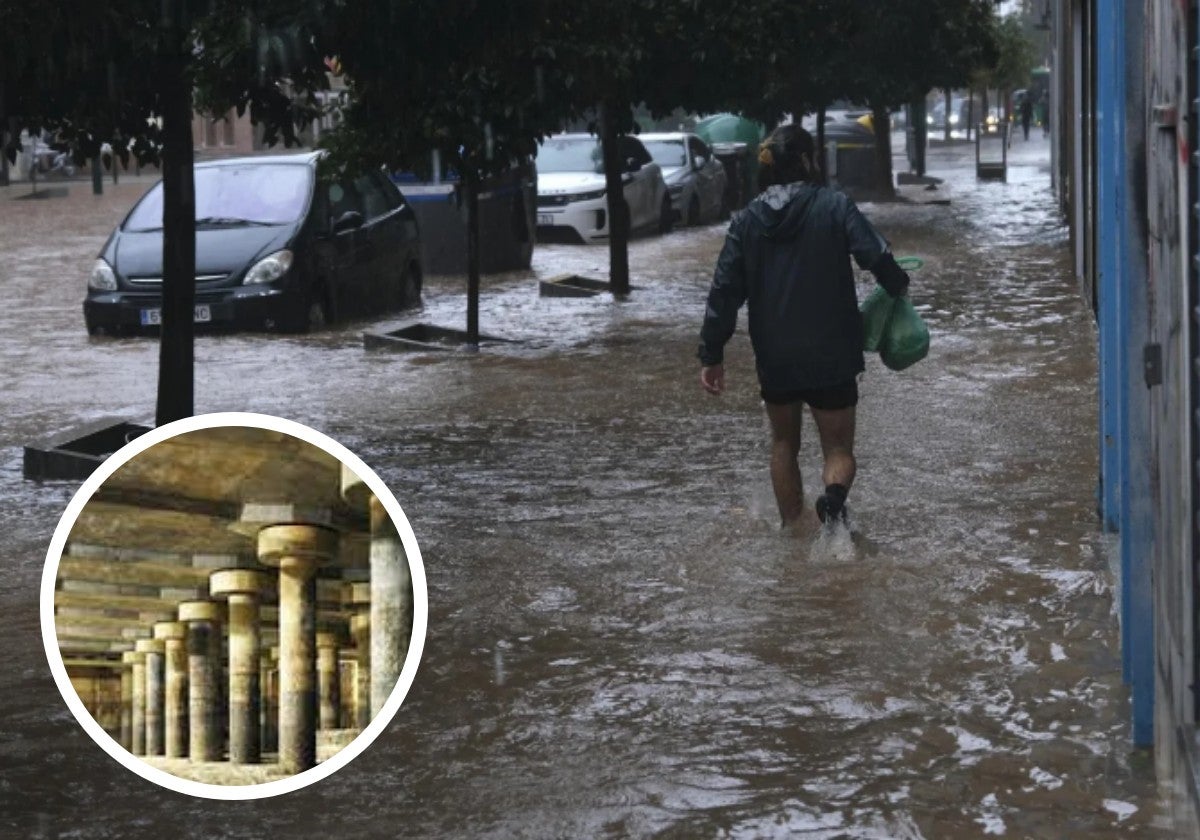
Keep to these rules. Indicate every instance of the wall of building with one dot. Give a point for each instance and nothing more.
(1127, 175)
(227, 134)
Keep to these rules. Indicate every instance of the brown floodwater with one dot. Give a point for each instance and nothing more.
(621, 640)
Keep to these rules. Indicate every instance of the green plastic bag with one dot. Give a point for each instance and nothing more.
(876, 310)
(905, 339)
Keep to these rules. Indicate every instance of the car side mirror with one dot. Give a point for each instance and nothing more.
(632, 165)
(699, 161)
(348, 220)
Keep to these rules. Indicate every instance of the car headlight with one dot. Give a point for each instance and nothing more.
(587, 196)
(954, 119)
(102, 278)
(929, 119)
(269, 269)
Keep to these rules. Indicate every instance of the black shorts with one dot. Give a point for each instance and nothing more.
(823, 399)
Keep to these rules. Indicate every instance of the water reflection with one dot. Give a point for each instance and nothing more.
(621, 642)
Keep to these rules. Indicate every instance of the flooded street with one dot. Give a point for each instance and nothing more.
(621, 640)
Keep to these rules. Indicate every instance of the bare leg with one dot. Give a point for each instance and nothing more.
(785, 467)
(836, 429)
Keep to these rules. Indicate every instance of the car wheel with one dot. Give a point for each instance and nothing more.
(693, 212)
(666, 216)
(313, 315)
(410, 294)
(317, 315)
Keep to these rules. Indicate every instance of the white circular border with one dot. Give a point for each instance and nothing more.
(364, 738)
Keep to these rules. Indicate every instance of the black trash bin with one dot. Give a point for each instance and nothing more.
(507, 207)
(738, 187)
(854, 157)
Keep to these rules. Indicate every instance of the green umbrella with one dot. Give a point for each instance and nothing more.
(730, 128)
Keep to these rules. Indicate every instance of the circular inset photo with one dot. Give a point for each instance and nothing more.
(234, 606)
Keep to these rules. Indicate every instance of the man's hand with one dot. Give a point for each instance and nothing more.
(712, 377)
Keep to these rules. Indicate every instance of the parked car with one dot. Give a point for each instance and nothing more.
(571, 187)
(935, 117)
(277, 248)
(695, 178)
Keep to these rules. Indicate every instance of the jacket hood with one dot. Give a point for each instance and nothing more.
(782, 209)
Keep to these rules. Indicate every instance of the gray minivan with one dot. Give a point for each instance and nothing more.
(278, 247)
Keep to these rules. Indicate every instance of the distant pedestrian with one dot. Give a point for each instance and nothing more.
(788, 256)
(1026, 114)
(1044, 108)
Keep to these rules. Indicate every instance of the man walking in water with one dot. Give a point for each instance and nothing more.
(788, 256)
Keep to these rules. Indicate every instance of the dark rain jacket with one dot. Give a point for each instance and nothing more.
(788, 255)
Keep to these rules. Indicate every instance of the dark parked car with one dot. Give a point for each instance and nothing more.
(277, 248)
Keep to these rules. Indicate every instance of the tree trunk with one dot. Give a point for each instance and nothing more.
(3, 141)
(919, 132)
(970, 111)
(822, 175)
(176, 351)
(947, 115)
(97, 175)
(471, 185)
(618, 208)
(882, 123)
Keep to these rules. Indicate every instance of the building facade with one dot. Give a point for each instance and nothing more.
(1126, 169)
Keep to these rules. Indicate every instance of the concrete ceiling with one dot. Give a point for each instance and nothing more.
(155, 530)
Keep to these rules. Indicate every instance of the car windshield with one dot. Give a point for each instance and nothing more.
(579, 154)
(249, 194)
(667, 152)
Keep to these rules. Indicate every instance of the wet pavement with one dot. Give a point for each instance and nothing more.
(621, 640)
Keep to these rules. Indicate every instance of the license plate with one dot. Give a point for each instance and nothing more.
(546, 219)
(153, 317)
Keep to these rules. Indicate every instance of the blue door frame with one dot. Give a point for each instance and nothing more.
(1125, 451)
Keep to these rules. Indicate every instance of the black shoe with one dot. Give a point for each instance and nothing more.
(827, 513)
(831, 505)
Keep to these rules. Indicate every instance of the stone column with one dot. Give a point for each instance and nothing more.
(244, 589)
(155, 674)
(360, 629)
(347, 674)
(269, 676)
(203, 620)
(175, 691)
(391, 591)
(357, 596)
(298, 550)
(127, 659)
(391, 606)
(137, 711)
(329, 683)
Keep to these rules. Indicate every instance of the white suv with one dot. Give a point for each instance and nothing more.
(571, 187)
(695, 178)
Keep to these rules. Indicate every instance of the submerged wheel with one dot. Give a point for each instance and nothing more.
(317, 315)
(410, 294)
(311, 316)
(666, 216)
